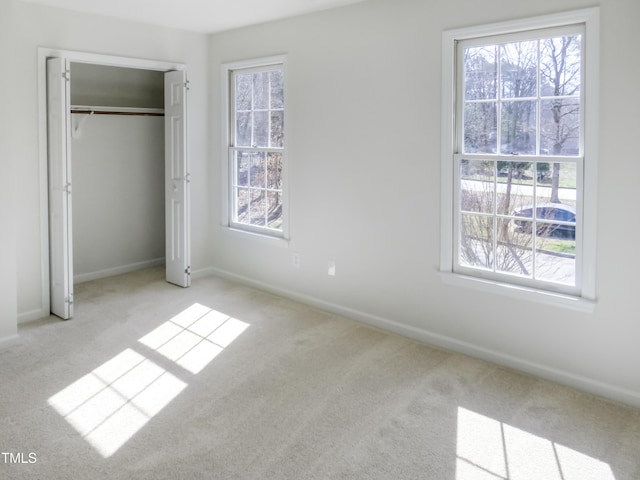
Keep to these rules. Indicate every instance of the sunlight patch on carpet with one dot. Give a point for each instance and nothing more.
(493, 450)
(195, 337)
(108, 406)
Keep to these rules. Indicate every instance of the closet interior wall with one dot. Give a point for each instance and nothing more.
(117, 158)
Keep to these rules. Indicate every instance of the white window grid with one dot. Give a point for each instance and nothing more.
(586, 20)
(234, 151)
(532, 279)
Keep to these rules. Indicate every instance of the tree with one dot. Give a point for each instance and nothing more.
(560, 77)
(519, 99)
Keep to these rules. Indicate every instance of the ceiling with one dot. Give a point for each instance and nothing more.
(206, 16)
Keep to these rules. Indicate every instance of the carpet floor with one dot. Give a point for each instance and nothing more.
(222, 381)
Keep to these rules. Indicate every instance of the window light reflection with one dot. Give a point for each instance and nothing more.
(492, 450)
(195, 337)
(113, 402)
(110, 404)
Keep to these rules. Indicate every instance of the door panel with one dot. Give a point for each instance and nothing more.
(178, 270)
(176, 180)
(60, 218)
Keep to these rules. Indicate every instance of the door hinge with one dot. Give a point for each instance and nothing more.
(188, 270)
(69, 299)
(66, 75)
(186, 85)
(67, 188)
(187, 178)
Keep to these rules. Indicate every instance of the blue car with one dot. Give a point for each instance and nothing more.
(545, 214)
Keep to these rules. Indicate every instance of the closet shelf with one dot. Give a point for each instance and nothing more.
(100, 110)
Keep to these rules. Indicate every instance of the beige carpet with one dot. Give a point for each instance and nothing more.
(221, 381)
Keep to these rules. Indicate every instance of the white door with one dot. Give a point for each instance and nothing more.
(61, 249)
(176, 180)
(178, 269)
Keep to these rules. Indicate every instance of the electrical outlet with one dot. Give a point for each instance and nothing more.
(332, 268)
(295, 259)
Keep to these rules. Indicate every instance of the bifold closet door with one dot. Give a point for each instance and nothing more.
(178, 268)
(60, 218)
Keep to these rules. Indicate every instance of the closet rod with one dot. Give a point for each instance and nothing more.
(148, 112)
(144, 114)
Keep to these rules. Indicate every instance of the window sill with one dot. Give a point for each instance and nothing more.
(256, 236)
(522, 293)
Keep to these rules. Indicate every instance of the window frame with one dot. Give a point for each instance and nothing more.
(264, 64)
(583, 296)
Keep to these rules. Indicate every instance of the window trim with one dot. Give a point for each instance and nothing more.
(587, 289)
(250, 231)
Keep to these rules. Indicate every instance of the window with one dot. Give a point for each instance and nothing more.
(256, 146)
(519, 160)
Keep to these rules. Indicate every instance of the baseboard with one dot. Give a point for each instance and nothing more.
(9, 341)
(579, 382)
(110, 272)
(203, 273)
(32, 315)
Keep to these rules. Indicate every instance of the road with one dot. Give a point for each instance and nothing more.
(566, 195)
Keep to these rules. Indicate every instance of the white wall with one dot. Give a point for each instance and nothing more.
(59, 29)
(111, 86)
(363, 106)
(364, 111)
(8, 303)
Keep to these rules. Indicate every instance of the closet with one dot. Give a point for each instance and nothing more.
(117, 158)
(118, 176)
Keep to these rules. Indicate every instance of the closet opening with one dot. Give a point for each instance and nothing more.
(118, 181)
(117, 170)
